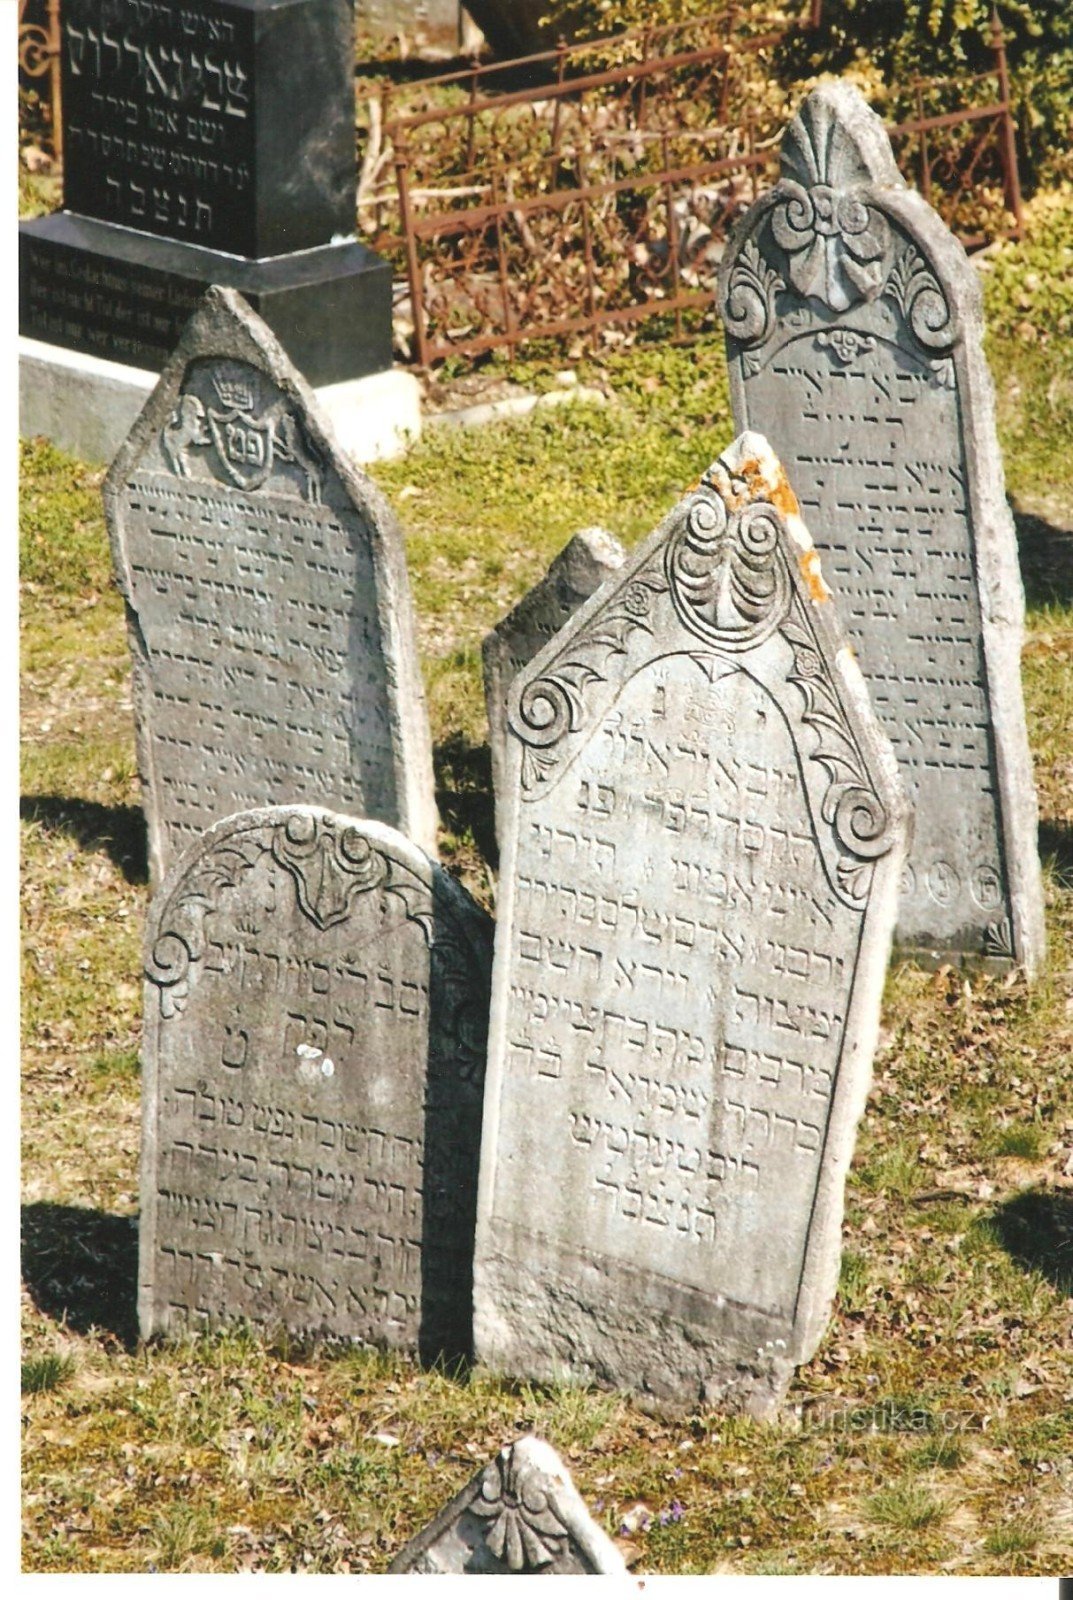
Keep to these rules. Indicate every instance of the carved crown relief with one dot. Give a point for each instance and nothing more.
(831, 232)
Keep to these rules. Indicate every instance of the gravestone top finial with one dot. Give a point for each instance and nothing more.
(834, 154)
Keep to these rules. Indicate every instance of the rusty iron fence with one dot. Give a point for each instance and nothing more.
(960, 146)
(600, 195)
(39, 56)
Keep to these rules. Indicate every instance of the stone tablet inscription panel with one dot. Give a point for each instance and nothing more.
(520, 1515)
(269, 613)
(702, 853)
(853, 332)
(315, 1019)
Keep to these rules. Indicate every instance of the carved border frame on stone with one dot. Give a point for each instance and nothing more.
(550, 705)
(842, 251)
(225, 327)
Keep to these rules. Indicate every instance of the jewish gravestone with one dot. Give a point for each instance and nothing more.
(268, 603)
(577, 572)
(703, 841)
(209, 143)
(316, 1004)
(854, 324)
(521, 1515)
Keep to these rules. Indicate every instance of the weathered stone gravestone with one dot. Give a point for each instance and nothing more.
(577, 572)
(316, 1005)
(854, 325)
(268, 602)
(703, 842)
(520, 1515)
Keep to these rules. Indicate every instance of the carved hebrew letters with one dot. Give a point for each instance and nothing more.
(158, 112)
(316, 996)
(853, 329)
(701, 833)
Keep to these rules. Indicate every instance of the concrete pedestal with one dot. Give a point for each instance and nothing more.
(88, 405)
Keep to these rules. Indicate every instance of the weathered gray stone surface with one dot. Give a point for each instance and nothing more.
(854, 329)
(316, 1004)
(703, 843)
(577, 572)
(520, 1515)
(268, 603)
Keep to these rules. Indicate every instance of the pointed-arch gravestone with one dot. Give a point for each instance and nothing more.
(578, 570)
(854, 337)
(268, 603)
(703, 836)
(316, 1011)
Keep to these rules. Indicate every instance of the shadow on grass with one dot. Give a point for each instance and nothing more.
(1046, 556)
(81, 1267)
(1035, 1229)
(464, 792)
(118, 830)
(1056, 839)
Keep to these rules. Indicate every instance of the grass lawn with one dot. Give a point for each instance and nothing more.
(931, 1432)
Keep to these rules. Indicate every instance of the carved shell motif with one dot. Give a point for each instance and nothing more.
(728, 579)
(525, 1531)
(837, 242)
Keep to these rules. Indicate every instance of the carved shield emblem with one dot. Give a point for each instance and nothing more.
(244, 444)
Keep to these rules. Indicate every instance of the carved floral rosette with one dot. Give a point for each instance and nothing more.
(745, 597)
(330, 860)
(836, 234)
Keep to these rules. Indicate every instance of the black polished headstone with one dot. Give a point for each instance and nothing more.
(228, 123)
(209, 142)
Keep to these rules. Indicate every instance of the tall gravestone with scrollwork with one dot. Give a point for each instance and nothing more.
(268, 603)
(703, 835)
(316, 1007)
(854, 336)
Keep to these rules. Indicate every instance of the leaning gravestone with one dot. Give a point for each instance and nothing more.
(854, 328)
(316, 1005)
(577, 572)
(520, 1516)
(703, 840)
(268, 603)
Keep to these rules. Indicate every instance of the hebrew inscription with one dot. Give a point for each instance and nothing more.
(522, 1516)
(703, 844)
(158, 115)
(315, 1018)
(577, 571)
(854, 337)
(269, 612)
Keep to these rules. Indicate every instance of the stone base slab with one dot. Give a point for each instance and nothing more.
(88, 405)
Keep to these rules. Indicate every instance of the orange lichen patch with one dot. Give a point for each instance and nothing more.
(769, 485)
(809, 561)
